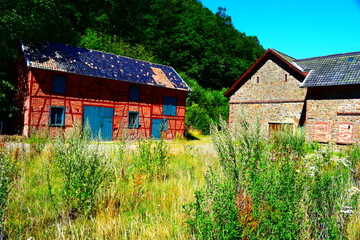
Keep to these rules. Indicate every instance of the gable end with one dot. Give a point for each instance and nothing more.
(272, 55)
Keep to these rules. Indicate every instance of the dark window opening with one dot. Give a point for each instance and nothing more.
(58, 84)
(257, 79)
(134, 93)
(169, 106)
(133, 120)
(57, 116)
(286, 77)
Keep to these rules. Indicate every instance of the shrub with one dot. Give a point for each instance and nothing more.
(240, 148)
(286, 139)
(152, 157)
(6, 172)
(82, 169)
(279, 190)
(214, 214)
(204, 106)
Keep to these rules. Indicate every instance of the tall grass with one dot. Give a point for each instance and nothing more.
(152, 158)
(275, 188)
(6, 174)
(244, 186)
(82, 168)
(52, 198)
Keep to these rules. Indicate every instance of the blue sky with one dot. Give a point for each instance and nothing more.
(301, 29)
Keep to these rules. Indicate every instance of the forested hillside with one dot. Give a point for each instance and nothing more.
(205, 48)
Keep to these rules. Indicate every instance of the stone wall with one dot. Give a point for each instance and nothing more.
(272, 95)
(333, 114)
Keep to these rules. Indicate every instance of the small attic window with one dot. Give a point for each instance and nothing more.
(286, 77)
(257, 79)
(58, 84)
(350, 59)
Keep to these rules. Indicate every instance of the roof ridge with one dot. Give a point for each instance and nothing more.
(281, 53)
(328, 56)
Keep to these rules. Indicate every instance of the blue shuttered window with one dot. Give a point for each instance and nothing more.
(57, 116)
(170, 106)
(134, 93)
(133, 120)
(58, 84)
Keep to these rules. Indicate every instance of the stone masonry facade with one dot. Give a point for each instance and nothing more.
(323, 99)
(333, 114)
(271, 95)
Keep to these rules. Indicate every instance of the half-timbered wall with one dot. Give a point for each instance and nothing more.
(91, 91)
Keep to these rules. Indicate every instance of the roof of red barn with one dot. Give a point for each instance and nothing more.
(71, 59)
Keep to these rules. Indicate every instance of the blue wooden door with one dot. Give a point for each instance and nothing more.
(100, 121)
(158, 125)
(156, 128)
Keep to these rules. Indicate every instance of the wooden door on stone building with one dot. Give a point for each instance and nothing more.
(275, 127)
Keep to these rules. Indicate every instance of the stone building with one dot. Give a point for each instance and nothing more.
(321, 94)
(63, 85)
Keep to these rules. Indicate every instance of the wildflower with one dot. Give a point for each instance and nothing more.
(312, 171)
(346, 210)
(344, 161)
(354, 190)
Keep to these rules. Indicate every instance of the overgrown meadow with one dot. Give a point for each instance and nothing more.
(240, 185)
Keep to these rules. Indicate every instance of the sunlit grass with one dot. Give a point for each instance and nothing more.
(130, 205)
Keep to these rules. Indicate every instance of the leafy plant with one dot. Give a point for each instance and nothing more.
(204, 106)
(288, 139)
(6, 172)
(83, 169)
(152, 158)
(280, 190)
(214, 214)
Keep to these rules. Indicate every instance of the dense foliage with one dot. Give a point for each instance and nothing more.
(256, 188)
(276, 188)
(83, 169)
(6, 177)
(181, 33)
(70, 188)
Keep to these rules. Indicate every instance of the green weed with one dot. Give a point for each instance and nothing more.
(152, 158)
(279, 187)
(82, 168)
(6, 173)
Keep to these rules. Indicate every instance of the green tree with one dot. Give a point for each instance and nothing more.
(181, 33)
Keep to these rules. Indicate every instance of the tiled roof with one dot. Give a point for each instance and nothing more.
(70, 59)
(333, 70)
(286, 57)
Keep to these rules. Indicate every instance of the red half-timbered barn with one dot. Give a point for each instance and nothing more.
(63, 86)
